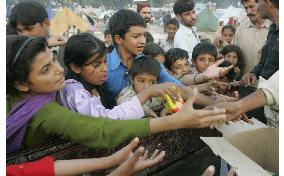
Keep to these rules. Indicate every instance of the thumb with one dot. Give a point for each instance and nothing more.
(209, 171)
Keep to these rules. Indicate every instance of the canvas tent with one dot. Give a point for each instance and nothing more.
(207, 21)
(59, 24)
(232, 11)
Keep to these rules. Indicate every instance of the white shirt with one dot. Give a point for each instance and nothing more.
(186, 38)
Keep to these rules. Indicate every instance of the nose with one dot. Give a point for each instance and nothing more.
(104, 67)
(59, 68)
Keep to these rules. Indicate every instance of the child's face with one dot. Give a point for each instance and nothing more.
(46, 74)
(228, 35)
(95, 70)
(143, 81)
(232, 57)
(171, 30)
(203, 61)
(108, 39)
(133, 42)
(160, 58)
(180, 66)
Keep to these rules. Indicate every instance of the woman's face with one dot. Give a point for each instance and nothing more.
(94, 70)
(46, 74)
(232, 57)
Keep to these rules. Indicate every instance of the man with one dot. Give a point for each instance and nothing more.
(251, 35)
(186, 37)
(269, 61)
(143, 9)
(267, 95)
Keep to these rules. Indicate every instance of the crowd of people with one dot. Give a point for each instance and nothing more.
(101, 93)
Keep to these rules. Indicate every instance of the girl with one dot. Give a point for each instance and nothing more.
(33, 79)
(85, 57)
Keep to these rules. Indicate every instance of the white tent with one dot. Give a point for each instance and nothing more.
(232, 11)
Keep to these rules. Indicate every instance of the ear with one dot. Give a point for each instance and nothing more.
(46, 22)
(21, 86)
(118, 39)
(74, 68)
(179, 17)
(193, 62)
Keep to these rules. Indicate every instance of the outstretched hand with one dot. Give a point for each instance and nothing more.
(213, 71)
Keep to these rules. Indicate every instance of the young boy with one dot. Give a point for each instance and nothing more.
(177, 62)
(144, 73)
(171, 28)
(154, 50)
(228, 32)
(108, 38)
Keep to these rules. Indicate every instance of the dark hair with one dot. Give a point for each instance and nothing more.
(149, 37)
(234, 48)
(10, 30)
(242, 1)
(181, 6)
(227, 26)
(145, 64)
(204, 48)
(27, 13)
(231, 75)
(153, 49)
(173, 55)
(122, 20)
(173, 21)
(275, 3)
(106, 32)
(81, 47)
(19, 69)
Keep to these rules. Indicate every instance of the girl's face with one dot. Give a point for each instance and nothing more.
(46, 74)
(180, 66)
(232, 57)
(171, 30)
(228, 35)
(95, 70)
(203, 61)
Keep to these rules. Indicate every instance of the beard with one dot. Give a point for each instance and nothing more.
(147, 20)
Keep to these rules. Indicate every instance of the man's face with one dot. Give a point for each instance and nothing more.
(188, 18)
(262, 6)
(134, 40)
(146, 14)
(251, 8)
(36, 30)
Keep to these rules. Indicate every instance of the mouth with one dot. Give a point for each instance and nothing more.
(104, 78)
(140, 48)
(61, 80)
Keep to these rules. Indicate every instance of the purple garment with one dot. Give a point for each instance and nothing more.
(19, 117)
(76, 98)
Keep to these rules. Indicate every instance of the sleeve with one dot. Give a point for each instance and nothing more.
(166, 77)
(42, 167)
(80, 100)
(270, 88)
(98, 132)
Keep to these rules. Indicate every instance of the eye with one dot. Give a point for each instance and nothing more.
(45, 69)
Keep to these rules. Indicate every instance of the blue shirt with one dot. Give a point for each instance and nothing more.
(118, 77)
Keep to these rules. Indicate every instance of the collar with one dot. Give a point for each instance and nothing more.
(114, 59)
(190, 30)
(265, 24)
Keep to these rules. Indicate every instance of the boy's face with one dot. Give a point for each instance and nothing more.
(228, 35)
(203, 61)
(36, 30)
(188, 18)
(180, 67)
(143, 81)
(133, 42)
(171, 30)
(232, 57)
(108, 39)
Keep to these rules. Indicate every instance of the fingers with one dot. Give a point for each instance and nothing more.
(156, 152)
(204, 113)
(246, 119)
(232, 172)
(134, 143)
(145, 155)
(209, 171)
(219, 62)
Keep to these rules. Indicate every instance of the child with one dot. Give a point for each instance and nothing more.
(34, 116)
(228, 32)
(144, 73)
(85, 58)
(171, 28)
(154, 50)
(129, 162)
(234, 56)
(108, 38)
(177, 62)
